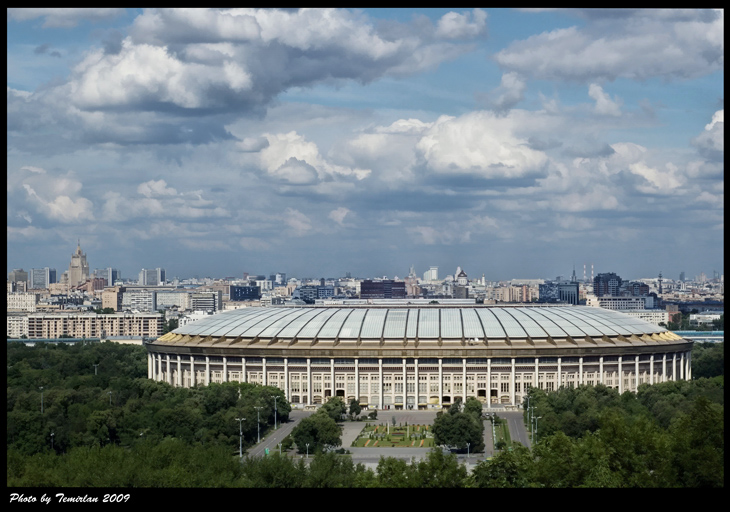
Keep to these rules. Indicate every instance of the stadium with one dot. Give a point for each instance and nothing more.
(421, 357)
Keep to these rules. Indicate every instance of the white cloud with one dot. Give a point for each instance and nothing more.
(338, 215)
(297, 221)
(510, 92)
(636, 45)
(711, 142)
(291, 158)
(480, 143)
(156, 188)
(453, 25)
(63, 17)
(604, 104)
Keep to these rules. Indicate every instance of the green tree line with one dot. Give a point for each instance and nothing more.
(98, 394)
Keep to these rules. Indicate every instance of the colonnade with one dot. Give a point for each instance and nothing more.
(419, 382)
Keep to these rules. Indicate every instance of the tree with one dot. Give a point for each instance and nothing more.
(355, 408)
(459, 430)
(319, 431)
(335, 408)
(506, 469)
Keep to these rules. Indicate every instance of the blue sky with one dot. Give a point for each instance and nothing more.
(513, 143)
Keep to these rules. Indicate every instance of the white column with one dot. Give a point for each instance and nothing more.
(207, 370)
(489, 382)
(674, 366)
(620, 377)
(441, 382)
(192, 371)
(405, 386)
(636, 371)
(179, 371)
(357, 380)
(332, 378)
(664, 367)
(169, 371)
(600, 369)
(463, 379)
(560, 372)
(263, 371)
(286, 378)
(580, 370)
(651, 369)
(381, 385)
(150, 365)
(689, 365)
(681, 366)
(512, 398)
(309, 381)
(418, 384)
(243, 369)
(537, 373)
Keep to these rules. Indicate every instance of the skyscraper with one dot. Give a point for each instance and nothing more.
(78, 269)
(41, 278)
(152, 277)
(110, 275)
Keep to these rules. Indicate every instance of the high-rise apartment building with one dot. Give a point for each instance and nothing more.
(606, 285)
(41, 278)
(18, 275)
(432, 274)
(78, 269)
(110, 275)
(152, 277)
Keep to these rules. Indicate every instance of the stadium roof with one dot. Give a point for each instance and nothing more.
(462, 323)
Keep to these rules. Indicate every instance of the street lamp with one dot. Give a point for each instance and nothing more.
(41, 388)
(275, 411)
(52, 434)
(240, 437)
(258, 424)
(534, 436)
(467, 450)
(307, 449)
(95, 368)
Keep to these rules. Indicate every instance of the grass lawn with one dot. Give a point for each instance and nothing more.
(384, 436)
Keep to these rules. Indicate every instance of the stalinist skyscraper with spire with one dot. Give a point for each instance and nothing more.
(78, 269)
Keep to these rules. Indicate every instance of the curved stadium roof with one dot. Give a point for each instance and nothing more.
(423, 323)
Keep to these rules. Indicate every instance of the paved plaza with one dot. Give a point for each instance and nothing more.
(370, 456)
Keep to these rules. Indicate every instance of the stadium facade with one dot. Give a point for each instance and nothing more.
(419, 357)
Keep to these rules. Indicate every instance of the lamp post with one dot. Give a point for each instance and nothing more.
(275, 411)
(41, 388)
(467, 450)
(535, 434)
(307, 450)
(240, 437)
(95, 368)
(258, 424)
(52, 434)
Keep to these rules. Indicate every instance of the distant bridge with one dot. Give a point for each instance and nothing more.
(702, 336)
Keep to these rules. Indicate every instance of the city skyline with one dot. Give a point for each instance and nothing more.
(511, 143)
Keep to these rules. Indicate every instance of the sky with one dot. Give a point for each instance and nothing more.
(514, 143)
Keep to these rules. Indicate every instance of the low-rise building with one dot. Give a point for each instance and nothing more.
(93, 325)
